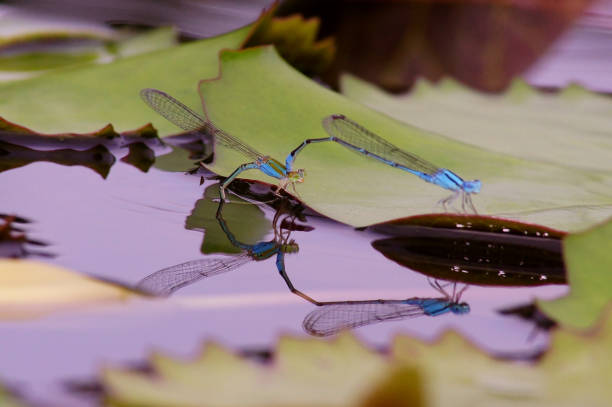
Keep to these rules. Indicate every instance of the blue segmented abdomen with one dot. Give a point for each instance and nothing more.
(447, 179)
(430, 306)
(263, 250)
(273, 168)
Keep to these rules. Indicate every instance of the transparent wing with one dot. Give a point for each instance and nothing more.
(188, 120)
(343, 128)
(331, 319)
(166, 281)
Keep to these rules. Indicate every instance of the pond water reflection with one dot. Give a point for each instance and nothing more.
(103, 210)
(125, 226)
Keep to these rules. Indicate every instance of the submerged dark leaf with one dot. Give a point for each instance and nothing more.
(475, 250)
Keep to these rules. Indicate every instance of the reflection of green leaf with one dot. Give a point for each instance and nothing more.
(282, 108)
(245, 221)
(188, 150)
(80, 99)
(588, 258)
(176, 160)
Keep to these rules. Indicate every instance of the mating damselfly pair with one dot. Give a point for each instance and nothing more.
(340, 129)
(330, 317)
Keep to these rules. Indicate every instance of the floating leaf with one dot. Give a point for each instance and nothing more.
(456, 373)
(305, 373)
(17, 28)
(149, 41)
(564, 128)
(36, 61)
(90, 97)
(31, 45)
(282, 108)
(31, 289)
(12, 132)
(588, 258)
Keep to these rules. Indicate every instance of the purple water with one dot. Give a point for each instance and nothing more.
(132, 224)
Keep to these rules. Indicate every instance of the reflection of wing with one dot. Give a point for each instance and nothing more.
(330, 319)
(166, 281)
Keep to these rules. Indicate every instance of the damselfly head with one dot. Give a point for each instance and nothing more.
(460, 308)
(291, 247)
(472, 187)
(296, 176)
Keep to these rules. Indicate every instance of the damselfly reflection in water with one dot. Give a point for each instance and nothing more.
(185, 118)
(333, 317)
(358, 139)
(166, 281)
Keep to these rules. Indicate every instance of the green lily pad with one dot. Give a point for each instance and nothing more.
(588, 258)
(305, 373)
(245, 221)
(575, 370)
(52, 56)
(278, 110)
(30, 45)
(36, 61)
(76, 100)
(567, 128)
(149, 41)
(23, 28)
